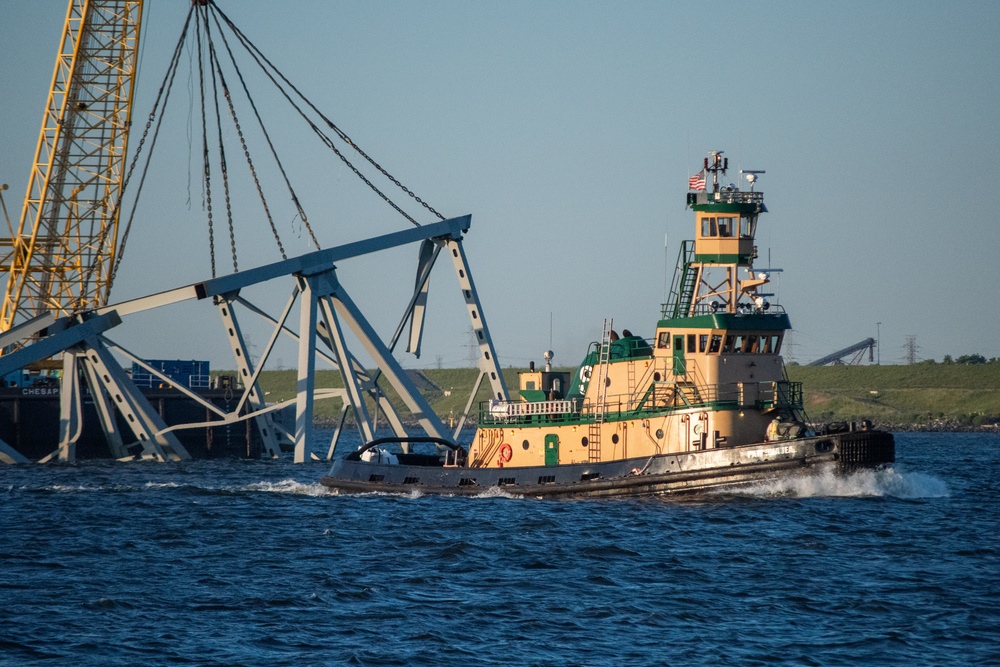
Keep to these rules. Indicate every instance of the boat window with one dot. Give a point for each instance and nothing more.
(708, 227)
(663, 340)
(750, 345)
(702, 342)
(777, 344)
(738, 344)
(529, 384)
(725, 226)
(729, 345)
(716, 344)
(767, 344)
(746, 228)
(691, 343)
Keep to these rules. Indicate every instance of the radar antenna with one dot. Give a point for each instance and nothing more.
(751, 175)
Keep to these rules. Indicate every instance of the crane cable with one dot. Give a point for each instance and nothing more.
(205, 155)
(246, 151)
(161, 96)
(218, 80)
(258, 55)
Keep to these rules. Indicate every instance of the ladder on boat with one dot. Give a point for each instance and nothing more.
(684, 283)
(600, 376)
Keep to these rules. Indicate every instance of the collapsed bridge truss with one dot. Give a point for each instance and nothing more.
(325, 313)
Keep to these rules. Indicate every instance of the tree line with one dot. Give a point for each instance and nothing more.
(969, 359)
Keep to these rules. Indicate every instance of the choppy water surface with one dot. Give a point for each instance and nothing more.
(236, 562)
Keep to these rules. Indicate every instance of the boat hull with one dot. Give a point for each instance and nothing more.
(662, 474)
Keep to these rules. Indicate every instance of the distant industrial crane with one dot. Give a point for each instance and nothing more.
(60, 257)
(858, 350)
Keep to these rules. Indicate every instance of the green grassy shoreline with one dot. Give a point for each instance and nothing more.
(927, 396)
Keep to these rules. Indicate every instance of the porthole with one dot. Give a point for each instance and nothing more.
(656, 376)
(584, 441)
(525, 445)
(659, 434)
(614, 439)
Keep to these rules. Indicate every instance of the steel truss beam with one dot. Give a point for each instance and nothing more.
(326, 314)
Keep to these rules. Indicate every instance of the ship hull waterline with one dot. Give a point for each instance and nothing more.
(697, 471)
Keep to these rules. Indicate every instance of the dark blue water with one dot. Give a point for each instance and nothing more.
(250, 563)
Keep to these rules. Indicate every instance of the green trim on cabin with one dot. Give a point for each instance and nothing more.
(726, 207)
(623, 349)
(723, 259)
(731, 321)
(533, 395)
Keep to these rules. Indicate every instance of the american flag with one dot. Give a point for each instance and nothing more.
(697, 182)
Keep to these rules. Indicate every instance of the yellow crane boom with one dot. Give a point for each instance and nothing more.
(61, 256)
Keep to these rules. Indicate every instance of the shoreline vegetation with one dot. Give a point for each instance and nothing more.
(925, 396)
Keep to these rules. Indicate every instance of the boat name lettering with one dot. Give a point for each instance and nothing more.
(40, 391)
(770, 451)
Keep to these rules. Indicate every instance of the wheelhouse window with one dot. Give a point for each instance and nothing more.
(708, 227)
(722, 227)
(703, 343)
(691, 347)
(663, 340)
(745, 344)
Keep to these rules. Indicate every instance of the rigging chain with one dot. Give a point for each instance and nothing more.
(205, 154)
(223, 165)
(258, 56)
(162, 94)
(246, 149)
(255, 52)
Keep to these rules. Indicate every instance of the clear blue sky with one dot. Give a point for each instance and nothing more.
(568, 130)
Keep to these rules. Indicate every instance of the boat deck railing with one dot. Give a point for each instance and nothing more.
(659, 398)
(726, 196)
(668, 309)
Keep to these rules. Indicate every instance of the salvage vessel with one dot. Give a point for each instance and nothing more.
(703, 403)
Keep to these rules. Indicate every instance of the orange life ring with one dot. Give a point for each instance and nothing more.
(506, 452)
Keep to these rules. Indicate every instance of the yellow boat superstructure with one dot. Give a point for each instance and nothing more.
(710, 376)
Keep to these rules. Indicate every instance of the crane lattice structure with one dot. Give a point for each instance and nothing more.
(60, 257)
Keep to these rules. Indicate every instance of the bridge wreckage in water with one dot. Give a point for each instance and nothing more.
(702, 403)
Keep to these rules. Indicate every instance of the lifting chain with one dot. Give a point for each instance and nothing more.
(205, 155)
(258, 56)
(246, 150)
(223, 165)
(163, 94)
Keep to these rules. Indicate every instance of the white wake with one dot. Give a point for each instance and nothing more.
(887, 482)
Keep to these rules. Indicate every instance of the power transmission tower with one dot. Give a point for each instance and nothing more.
(910, 348)
(472, 348)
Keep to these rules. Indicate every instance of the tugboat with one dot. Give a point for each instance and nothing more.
(703, 404)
